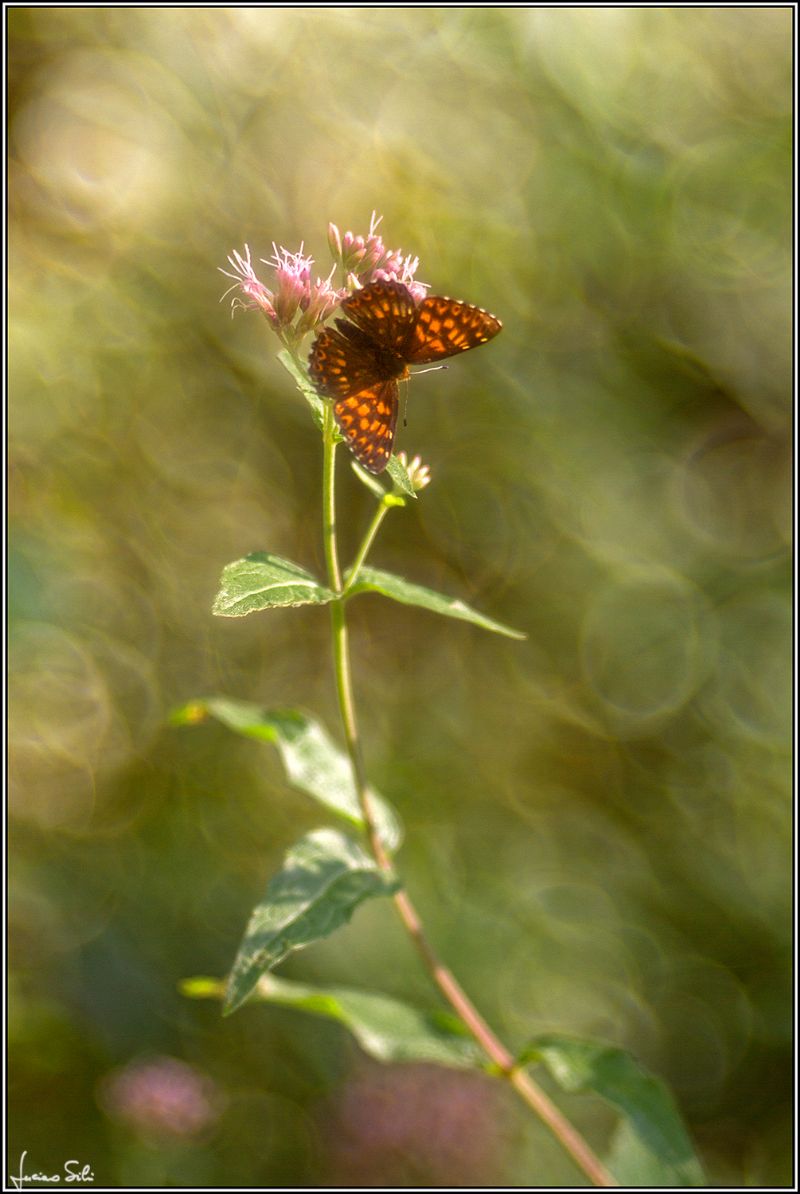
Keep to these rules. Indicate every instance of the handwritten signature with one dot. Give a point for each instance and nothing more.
(73, 1172)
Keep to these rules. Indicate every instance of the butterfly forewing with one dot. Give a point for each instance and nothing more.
(367, 421)
(386, 311)
(444, 327)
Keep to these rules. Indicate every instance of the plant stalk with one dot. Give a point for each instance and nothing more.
(369, 538)
(520, 1080)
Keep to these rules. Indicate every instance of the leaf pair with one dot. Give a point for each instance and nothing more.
(326, 875)
(264, 581)
(650, 1146)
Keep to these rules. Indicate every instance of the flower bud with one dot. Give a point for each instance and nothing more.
(335, 242)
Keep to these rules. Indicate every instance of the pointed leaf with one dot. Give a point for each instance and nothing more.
(325, 876)
(264, 581)
(374, 580)
(313, 763)
(651, 1147)
(384, 1028)
(304, 385)
(399, 474)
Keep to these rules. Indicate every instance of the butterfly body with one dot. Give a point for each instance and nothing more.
(387, 361)
(359, 364)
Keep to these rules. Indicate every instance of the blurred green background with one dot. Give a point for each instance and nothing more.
(598, 819)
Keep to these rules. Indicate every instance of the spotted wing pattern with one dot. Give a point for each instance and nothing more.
(358, 363)
(386, 311)
(445, 327)
(367, 421)
(344, 364)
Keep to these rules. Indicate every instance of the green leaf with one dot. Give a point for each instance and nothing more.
(386, 1029)
(313, 763)
(397, 473)
(304, 385)
(325, 876)
(651, 1147)
(374, 580)
(264, 581)
(400, 476)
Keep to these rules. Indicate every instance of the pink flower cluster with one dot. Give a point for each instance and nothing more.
(366, 259)
(294, 304)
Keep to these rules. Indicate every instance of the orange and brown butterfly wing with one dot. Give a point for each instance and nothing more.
(341, 364)
(444, 327)
(384, 310)
(358, 364)
(367, 421)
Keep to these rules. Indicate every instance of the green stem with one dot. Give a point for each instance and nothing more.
(329, 502)
(341, 644)
(520, 1080)
(369, 538)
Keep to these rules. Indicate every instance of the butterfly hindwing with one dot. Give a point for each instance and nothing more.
(444, 327)
(339, 365)
(367, 421)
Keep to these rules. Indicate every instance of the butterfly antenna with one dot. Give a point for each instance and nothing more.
(433, 369)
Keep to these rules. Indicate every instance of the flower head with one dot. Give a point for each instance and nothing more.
(293, 291)
(402, 269)
(419, 474)
(366, 259)
(318, 303)
(296, 304)
(293, 276)
(253, 294)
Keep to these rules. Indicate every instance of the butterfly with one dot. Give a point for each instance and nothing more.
(359, 364)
